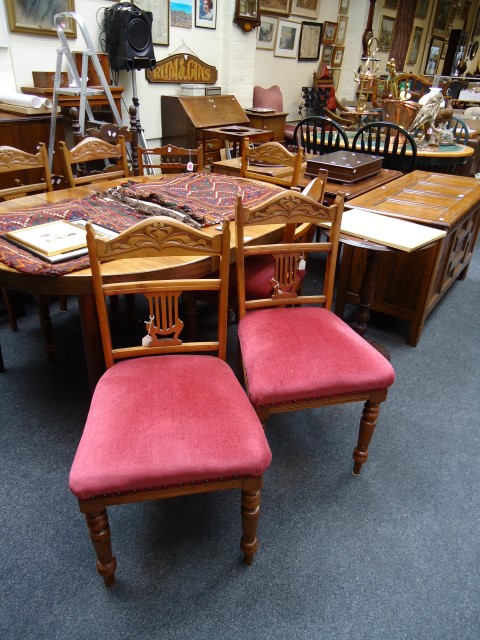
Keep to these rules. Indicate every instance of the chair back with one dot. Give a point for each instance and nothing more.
(271, 98)
(78, 161)
(319, 135)
(159, 237)
(271, 162)
(389, 140)
(458, 129)
(169, 159)
(14, 160)
(289, 209)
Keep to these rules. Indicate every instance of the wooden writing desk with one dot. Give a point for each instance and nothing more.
(409, 285)
(79, 283)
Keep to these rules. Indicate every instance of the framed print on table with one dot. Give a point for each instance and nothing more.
(343, 7)
(329, 32)
(276, 7)
(415, 45)
(310, 38)
(436, 45)
(206, 14)
(37, 17)
(288, 35)
(161, 19)
(266, 32)
(337, 57)
(341, 30)
(306, 8)
(386, 31)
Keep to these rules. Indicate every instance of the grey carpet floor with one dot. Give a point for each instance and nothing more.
(391, 555)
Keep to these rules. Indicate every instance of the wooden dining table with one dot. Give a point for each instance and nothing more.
(79, 282)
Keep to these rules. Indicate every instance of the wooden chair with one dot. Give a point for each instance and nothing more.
(13, 161)
(202, 434)
(90, 150)
(295, 355)
(268, 98)
(169, 159)
(271, 162)
(319, 135)
(389, 140)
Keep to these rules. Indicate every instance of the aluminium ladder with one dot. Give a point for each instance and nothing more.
(78, 83)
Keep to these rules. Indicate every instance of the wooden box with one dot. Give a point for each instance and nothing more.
(345, 166)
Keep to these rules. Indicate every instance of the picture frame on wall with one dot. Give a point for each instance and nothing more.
(275, 7)
(206, 14)
(161, 19)
(343, 7)
(390, 4)
(306, 8)
(337, 57)
(336, 77)
(329, 32)
(310, 39)
(37, 18)
(434, 51)
(442, 18)
(385, 33)
(267, 32)
(288, 36)
(421, 9)
(415, 45)
(327, 53)
(341, 30)
(182, 17)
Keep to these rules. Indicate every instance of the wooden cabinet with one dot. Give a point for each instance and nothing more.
(25, 132)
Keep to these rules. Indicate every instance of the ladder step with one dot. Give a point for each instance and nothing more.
(76, 91)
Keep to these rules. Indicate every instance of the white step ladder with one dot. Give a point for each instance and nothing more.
(79, 83)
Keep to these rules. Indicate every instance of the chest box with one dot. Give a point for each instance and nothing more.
(345, 166)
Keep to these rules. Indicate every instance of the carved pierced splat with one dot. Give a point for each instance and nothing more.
(292, 207)
(94, 149)
(286, 281)
(165, 325)
(271, 153)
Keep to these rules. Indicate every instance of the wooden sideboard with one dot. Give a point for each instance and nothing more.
(409, 285)
(25, 132)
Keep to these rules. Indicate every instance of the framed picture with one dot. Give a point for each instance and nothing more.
(161, 19)
(441, 20)
(36, 17)
(341, 30)
(276, 7)
(306, 8)
(343, 7)
(4, 42)
(288, 35)
(390, 4)
(336, 77)
(415, 45)
(444, 50)
(436, 45)
(386, 31)
(421, 9)
(337, 57)
(327, 54)
(267, 32)
(206, 14)
(329, 32)
(310, 38)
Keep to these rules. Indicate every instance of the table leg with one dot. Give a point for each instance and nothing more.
(92, 342)
(46, 325)
(365, 299)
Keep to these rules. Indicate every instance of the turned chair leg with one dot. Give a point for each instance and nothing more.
(250, 512)
(368, 422)
(99, 531)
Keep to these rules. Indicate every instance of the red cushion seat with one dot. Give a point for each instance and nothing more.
(279, 348)
(127, 445)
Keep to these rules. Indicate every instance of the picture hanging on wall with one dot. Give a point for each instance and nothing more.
(341, 30)
(329, 32)
(442, 18)
(267, 32)
(288, 35)
(276, 7)
(343, 7)
(390, 4)
(337, 57)
(310, 38)
(421, 9)
(37, 17)
(436, 45)
(206, 14)
(415, 45)
(336, 77)
(306, 8)
(161, 19)
(386, 31)
(181, 13)
(327, 54)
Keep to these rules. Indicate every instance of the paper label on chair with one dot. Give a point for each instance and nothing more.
(190, 166)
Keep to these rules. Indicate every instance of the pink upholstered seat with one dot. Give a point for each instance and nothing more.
(295, 352)
(168, 417)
